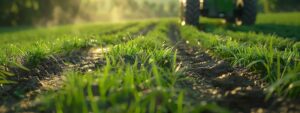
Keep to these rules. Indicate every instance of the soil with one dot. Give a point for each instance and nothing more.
(215, 81)
(118, 30)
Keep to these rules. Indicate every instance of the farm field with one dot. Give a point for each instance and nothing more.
(153, 66)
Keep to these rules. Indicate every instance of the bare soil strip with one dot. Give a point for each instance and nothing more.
(47, 75)
(118, 30)
(216, 81)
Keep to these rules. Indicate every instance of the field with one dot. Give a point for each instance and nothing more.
(153, 66)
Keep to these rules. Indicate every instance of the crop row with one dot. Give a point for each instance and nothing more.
(33, 52)
(280, 67)
(139, 76)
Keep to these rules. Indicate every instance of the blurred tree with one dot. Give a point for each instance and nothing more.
(266, 5)
(279, 5)
(287, 5)
(31, 12)
(15, 12)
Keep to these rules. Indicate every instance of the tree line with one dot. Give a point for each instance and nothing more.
(279, 5)
(43, 12)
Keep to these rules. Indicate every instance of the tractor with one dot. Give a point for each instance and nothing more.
(242, 12)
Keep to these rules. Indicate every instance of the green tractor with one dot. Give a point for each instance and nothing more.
(242, 12)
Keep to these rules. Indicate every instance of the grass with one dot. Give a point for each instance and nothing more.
(27, 36)
(139, 76)
(141, 73)
(281, 25)
(277, 58)
(59, 41)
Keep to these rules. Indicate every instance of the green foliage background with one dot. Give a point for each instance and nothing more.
(49, 12)
(279, 5)
(41, 12)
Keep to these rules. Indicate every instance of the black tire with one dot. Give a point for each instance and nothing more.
(230, 20)
(249, 12)
(190, 12)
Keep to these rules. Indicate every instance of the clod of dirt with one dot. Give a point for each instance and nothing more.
(210, 68)
(230, 81)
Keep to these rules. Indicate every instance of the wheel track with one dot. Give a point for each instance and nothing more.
(118, 30)
(46, 75)
(216, 81)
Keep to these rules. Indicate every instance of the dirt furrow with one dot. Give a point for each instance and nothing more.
(118, 30)
(216, 81)
(47, 75)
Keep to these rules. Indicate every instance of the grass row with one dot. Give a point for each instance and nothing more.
(284, 18)
(252, 38)
(14, 55)
(139, 76)
(283, 25)
(281, 67)
(29, 36)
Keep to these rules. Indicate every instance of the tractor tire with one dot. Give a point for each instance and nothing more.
(190, 12)
(249, 12)
(230, 20)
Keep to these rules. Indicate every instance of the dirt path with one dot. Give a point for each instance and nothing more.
(216, 81)
(47, 75)
(118, 30)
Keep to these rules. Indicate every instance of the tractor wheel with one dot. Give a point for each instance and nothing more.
(190, 12)
(249, 12)
(230, 20)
